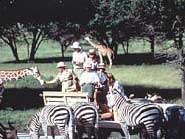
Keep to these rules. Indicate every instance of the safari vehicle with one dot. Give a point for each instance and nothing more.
(172, 113)
(106, 128)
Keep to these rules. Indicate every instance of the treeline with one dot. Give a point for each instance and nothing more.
(111, 22)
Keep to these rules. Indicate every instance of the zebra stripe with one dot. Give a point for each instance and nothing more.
(87, 117)
(137, 114)
(60, 116)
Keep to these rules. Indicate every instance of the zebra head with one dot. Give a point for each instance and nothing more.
(111, 98)
(34, 126)
(114, 97)
(8, 132)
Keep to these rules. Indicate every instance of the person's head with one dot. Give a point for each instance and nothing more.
(88, 66)
(101, 67)
(61, 66)
(110, 78)
(76, 46)
(92, 53)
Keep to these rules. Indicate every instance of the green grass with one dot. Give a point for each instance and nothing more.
(47, 49)
(20, 118)
(50, 48)
(160, 76)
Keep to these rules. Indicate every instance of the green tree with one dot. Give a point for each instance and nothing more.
(9, 33)
(66, 33)
(118, 21)
(33, 34)
(173, 17)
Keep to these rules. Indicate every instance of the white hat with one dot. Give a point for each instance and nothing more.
(76, 45)
(61, 64)
(101, 66)
(92, 51)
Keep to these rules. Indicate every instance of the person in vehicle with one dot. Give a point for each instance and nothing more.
(65, 77)
(79, 57)
(88, 81)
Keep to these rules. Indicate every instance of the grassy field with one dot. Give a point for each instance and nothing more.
(49, 49)
(19, 118)
(160, 76)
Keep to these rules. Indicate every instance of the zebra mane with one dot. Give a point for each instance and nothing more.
(126, 99)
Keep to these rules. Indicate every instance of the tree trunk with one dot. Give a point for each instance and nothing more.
(182, 65)
(12, 44)
(62, 48)
(14, 52)
(152, 44)
(127, 45)
(182, 71)
(36, 41)
(32, 57)
(33, 51)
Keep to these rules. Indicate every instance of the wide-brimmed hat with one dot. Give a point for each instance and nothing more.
(101, 66)
(76, 45)
(61, 64)
(92, 51)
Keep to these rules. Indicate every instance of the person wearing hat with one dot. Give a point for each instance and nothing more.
(65, 77)
(78, 58)
(92, 58)
(102, 74)
(88, 81)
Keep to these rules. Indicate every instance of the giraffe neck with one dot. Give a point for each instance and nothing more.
(91, 43)
(9, 75)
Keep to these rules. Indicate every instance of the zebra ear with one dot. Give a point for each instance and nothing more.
(10, 125)
(115, 91)
(2, 126)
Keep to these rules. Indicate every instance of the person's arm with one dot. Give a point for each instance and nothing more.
(82, 79)
(75, 77)
(85, 56)
(55, 80)
(73, 58)
(95, 98)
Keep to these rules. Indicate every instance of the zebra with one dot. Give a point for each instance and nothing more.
(147, 116)
(51, 115)
(8, 132)
(87, 117)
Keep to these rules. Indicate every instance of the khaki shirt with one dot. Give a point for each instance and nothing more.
(66, 78)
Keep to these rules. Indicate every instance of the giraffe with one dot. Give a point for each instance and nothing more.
(9, 75)
(102, 51)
